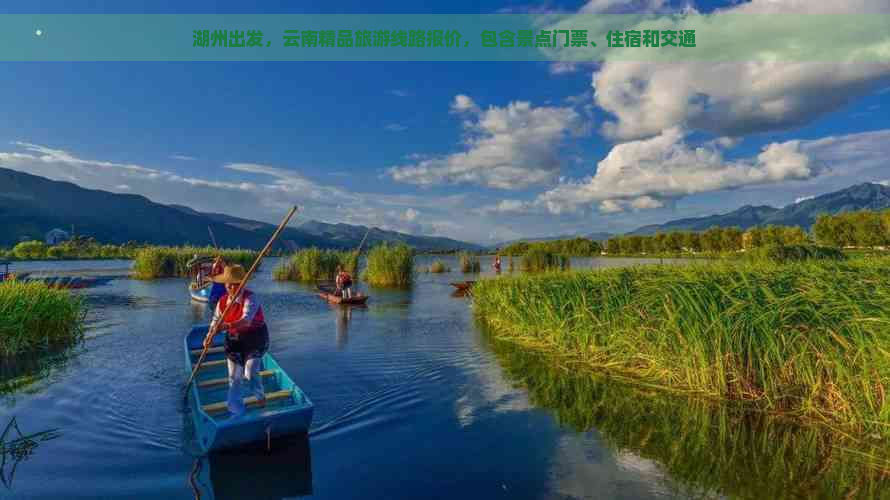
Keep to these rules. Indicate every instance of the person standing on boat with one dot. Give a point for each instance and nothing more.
(247, 338)
(344, 283)
(497, 264)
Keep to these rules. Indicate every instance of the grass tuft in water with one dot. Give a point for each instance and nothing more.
(469, 263)
(539, 259)
(170, 262)
(33, 317)
(313, 264)
(390, 266)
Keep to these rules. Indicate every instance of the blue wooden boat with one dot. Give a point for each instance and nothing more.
(288, 410)
(209, 293)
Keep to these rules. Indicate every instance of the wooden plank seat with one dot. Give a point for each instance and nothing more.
(221, 407)
(225, 380)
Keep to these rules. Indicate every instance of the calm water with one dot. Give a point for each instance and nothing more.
(412, 401)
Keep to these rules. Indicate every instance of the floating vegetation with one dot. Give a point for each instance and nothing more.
(439, 267)
(16, 447)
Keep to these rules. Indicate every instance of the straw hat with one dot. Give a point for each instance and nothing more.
(231, 274)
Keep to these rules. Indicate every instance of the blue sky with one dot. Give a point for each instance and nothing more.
(477, 151)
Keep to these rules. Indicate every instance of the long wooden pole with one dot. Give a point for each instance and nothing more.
(212, 331)
(212, 238)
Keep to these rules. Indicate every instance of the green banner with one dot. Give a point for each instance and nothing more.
(402, 37)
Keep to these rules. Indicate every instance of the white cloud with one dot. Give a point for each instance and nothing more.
(395, 127)
(463, 103)
(769, 92)
(641, 174)
(623, 6)
(508, 148)
(885, 182)
(399, 93)
(123, 187)
(182, 157)
(803, 198)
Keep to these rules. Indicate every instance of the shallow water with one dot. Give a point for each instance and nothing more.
(412, 400)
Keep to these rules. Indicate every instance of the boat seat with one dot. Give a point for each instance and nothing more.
(249, 401)
(225, 380)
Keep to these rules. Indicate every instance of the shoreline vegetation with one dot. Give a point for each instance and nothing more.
(314, 264)
(701, 445)
(172, 262)
(807, 339)
(34, 316)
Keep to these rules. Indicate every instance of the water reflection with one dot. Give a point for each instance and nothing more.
(705, 449)
(16, 447)
(23, 373)
(344, 316)
(283, 472)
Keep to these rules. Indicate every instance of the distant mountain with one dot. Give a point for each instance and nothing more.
(30, 206)
(865, 196)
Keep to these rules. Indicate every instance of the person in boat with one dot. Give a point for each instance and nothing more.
(497, 263)
(218, 289)
(344, 283)
(247, 338)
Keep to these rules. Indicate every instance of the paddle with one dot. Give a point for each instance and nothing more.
(212, 331)
(212, 238)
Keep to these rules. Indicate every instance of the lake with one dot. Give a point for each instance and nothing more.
(412, 400)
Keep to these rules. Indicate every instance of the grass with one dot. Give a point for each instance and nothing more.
(313, 264)
(390, 266)
(807, 340)
(539, 259)
(34, 317)
(707, 450)
(792, 253)
(439, 267)
(469, 263)
(170, 262)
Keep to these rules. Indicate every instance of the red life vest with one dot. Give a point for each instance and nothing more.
(237, 311)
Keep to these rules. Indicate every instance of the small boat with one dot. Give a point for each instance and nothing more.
(463, 286)
(329, 295)
(200, 293)
(288, 410)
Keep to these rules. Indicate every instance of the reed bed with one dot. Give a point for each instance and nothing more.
(708, 450)
(169, 262)
(438, 267)
(314, 264)
(539, 259)
(33, 316)
(390, 266)
(807, 340)
(469, 263)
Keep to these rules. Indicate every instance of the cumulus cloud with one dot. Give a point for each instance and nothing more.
(803, 198)
(770, 92)
(623, 6)
(507, 148)
(643, 174)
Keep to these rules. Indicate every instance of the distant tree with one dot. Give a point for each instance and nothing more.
(712, 240)
(30, 250)
(613, 245)
(731, 239)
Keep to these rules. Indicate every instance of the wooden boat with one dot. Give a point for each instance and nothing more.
(288, 410)
(463, 286)
(329, 295)
(200, 293)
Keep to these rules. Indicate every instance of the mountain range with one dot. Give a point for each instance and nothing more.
(30, 206)
(865, 196)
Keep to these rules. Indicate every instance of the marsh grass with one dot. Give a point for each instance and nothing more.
(706, 449)
(469, 263)
(807, 340)
(539, 259)
(169, 262)
(439, 267)
(314, 264)
(33, 317)
(390, 266)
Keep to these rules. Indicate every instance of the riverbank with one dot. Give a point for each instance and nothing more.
(805, 340)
